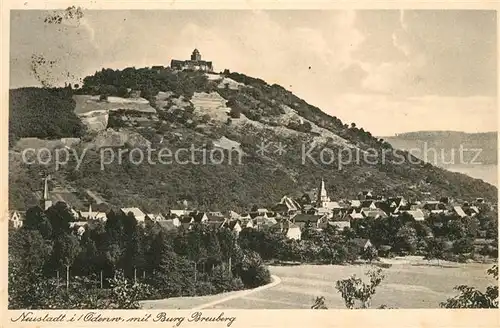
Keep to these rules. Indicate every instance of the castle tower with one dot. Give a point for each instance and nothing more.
(196, 55)
(322, 195)
(47, 202)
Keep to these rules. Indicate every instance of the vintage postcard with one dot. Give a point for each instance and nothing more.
(182, 163)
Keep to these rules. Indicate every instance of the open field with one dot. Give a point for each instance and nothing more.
(407, 284)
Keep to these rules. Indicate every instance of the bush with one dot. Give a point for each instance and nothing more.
(234, 113)
(252, 271)
(221, 280)
(204, 288)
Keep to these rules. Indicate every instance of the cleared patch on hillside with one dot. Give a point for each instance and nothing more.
(212, 104)
(36, 143)
(86, 104)
(122, 138)
(227, 143)
(321, 135)
(213, 76)
(230, 83)
(167, 101)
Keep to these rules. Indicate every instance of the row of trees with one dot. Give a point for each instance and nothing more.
(167, 263)
(440, 237)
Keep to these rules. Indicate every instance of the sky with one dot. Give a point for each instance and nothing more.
(389, 71)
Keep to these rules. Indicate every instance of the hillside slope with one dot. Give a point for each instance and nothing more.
(219, 113)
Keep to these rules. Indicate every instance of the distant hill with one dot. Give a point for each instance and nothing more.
(216, 113)
(447, 145)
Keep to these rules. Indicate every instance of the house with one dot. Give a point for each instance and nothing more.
(340, 223)
(366, 194)
(198, 217)
(355, 203)
(459, 211)
(139, 215)
(167, 225)
(219, 214)
(293, 232)
(434, 207)
(196, 63)
(354, 214)
(262, 211)
(16, 219)
(287, 205)
(262, 222)
(370, 204)
(471, 210)
(395, 204)
(234, 226)
(445, 200)
(245, 216)
(100, 216)
(479, 201)
(332, 206)
(155, 217)
(302, 220)
(246, 223)
(417, 215)
(179, 212)
(233, 215)
(79, 227)
(215, 218)
(373, 213)
(288, 228)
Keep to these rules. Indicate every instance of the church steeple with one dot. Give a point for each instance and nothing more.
(322, 195)
(47, 202)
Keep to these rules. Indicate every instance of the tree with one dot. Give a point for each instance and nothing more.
(66, 249)
(472, 298)
(319, 304)
(353, 290)
(463, 245)
(369, 254)
(59, 216)
(37, 220)
(27, 251)
(406, 239)
(435, 249)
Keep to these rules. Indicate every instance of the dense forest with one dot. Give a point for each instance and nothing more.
(52, 266)
(42, 113)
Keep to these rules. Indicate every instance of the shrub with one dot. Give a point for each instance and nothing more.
(354, 290)
(252, 271)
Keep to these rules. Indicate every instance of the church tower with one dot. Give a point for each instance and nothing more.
(322, 198)
(196, 55)
(46, 195)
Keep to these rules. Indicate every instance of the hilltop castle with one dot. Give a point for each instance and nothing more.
(195, 63)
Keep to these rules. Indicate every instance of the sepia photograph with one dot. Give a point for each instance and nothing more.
(252, 159)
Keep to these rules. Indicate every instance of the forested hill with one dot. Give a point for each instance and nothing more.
(484, 144)
(212, 111)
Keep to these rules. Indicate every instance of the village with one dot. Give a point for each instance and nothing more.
(289, 216)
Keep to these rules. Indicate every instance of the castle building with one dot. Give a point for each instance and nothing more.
(195, 63)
